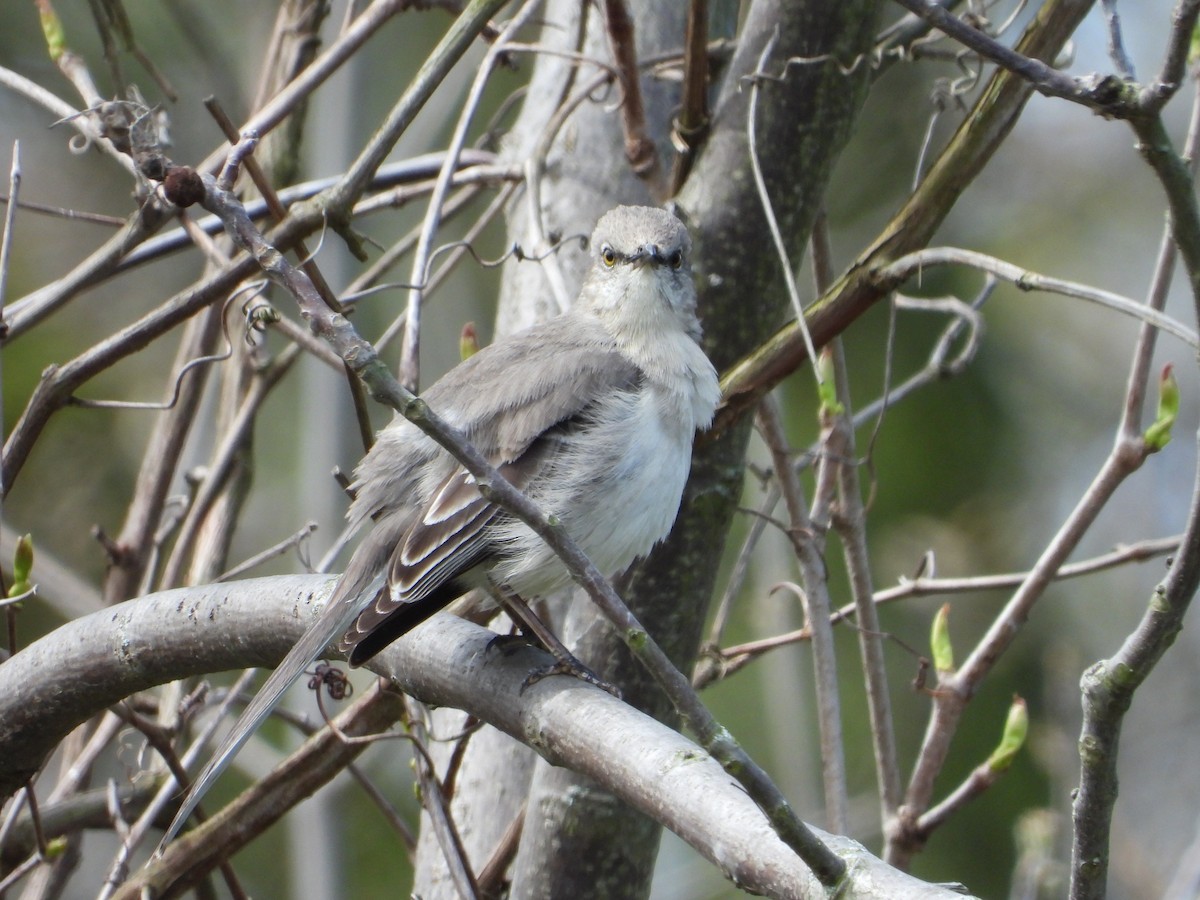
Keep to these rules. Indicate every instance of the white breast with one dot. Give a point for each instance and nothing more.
(619, 499)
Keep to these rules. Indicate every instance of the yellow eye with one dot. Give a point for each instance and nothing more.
(608, 256)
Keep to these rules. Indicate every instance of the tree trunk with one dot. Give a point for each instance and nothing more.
(577, 840)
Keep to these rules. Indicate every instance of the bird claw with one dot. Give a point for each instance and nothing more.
(509, 644)
(564, 663)
(573, 667)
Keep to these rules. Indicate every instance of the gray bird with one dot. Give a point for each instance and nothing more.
(591, 414)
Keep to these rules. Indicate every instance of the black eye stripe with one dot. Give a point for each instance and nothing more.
(613, 256)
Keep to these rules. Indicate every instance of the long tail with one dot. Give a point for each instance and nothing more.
(331, 625)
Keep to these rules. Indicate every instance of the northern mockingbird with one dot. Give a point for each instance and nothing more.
(591, 414)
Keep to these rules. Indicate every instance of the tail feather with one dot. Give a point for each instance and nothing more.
(331, 625)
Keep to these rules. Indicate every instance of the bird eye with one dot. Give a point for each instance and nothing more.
(608, 256)
(675, 260)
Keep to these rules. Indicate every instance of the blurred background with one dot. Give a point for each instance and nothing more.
(980, 469)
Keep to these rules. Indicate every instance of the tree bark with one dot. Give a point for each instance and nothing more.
(90, 663)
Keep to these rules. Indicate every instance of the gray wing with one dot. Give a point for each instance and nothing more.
(512, 400)
(504, 398)
(436, 560)
(510, 393)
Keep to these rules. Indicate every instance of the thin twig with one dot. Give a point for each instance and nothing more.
(807, 537)
(10, 220)
(691, 124)
(534, 168)
(940, 364)
(982, 777)
(20, 871)
(270, 553)
(764, 195)
(359, 399)
(61, 212)
(735, 657)
(741, 567)
(1179, 43)
(1156, 296)
(222, 461)
(639, 148)
(6, 242)
(851, 525)
(493, 873)
(410, 354)
(437, 804)
(36, 818)
(907, 266)
(1116, 46)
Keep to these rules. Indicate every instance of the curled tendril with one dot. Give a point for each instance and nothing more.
(259, 314)
(255, 288)
(333, 679)
(515, 252)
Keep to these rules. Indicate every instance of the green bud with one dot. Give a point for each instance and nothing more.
(1159, 433)
(1016, 727)
(468, 341)
(939, 641)
(52, 28)
(22, 567)
(827, 386)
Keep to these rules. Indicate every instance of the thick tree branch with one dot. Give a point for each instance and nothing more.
(91, 663)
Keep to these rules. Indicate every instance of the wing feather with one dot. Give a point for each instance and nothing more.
(435, 561)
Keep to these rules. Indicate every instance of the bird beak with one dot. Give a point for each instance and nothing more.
(647, 254)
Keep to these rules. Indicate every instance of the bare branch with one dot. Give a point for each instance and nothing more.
(1108, 690)
(908, 266)
(808, 541)
(445, 662)
(410, 358)
(854, 292)
(639, 148)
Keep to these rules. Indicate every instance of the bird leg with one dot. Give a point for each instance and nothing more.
(565, 662)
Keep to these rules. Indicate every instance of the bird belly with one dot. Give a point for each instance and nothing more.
(626, 504)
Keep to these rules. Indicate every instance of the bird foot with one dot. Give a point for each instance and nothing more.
(570, 665)
(508, 644)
